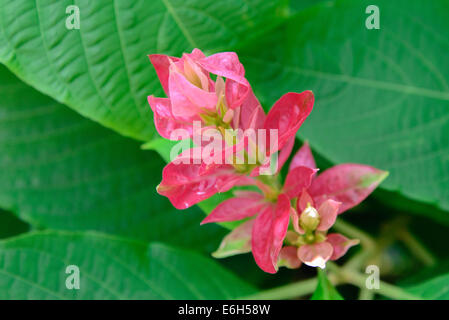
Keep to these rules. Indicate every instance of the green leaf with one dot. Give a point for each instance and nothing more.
(434, 289)
(34, 267)
(299, 5)
(382, 96)
(102, 69)
(161, 146)
(325, 290)
(62, 171)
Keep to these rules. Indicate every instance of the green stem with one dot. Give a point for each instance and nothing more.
(366, 294)
(288, 291)
(417, 248)
(359, 260)
(354, 232)
(338, 276)
(359, 280)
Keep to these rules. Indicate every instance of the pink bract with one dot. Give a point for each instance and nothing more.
(193, 96)
(347, 186)
(309, 199)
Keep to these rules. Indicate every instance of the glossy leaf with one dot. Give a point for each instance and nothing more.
(102, 69)
(382, 96)
(34, 267)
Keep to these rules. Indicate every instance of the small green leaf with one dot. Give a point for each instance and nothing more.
(325, 290)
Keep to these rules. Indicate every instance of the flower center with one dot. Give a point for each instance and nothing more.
(308, 221)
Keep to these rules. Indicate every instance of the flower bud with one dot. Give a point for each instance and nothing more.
(309, 219)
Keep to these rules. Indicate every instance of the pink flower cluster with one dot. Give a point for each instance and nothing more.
(283, 224)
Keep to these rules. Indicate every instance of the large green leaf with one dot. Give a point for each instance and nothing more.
(61, 171)
(34, 267)
(382, 96)
(102, 69)
(299, 5)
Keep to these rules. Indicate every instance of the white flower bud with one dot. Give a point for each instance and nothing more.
(309, 219)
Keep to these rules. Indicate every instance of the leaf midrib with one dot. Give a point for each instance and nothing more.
(363, 82)
(179, 23)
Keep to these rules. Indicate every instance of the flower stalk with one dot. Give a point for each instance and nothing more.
(337, 276)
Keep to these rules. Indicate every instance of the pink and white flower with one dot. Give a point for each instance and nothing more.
(318, 201)
(282, 224)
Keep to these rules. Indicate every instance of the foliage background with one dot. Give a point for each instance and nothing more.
(76, 186)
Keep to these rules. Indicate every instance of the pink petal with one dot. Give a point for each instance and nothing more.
(348, 183)
(265, 188)
(242, 181)
(247, 194)
(251, 113)
(288, 114)
(236, 209)
(303, 200)
(295, 221)
(236, 242)
(328, 212)
(303, 158)
(288, 257)
(251, 138)
(282, 158)
(196, 54)
(161, 63)
(341, 244)
(268, 234)
(250, 132)
(315, 255)
(297, 180)
(281, 222)
(186, 184)
(236, 93)
(261, 240)
(163, 119)
(187, 100)
(227, 64)
(196, 74)
(285, 152)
